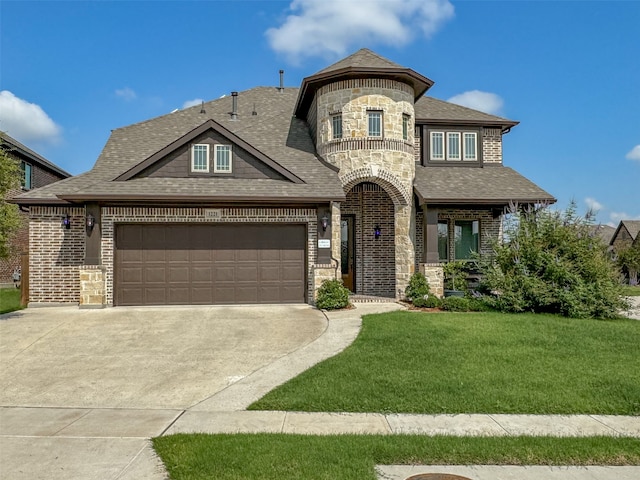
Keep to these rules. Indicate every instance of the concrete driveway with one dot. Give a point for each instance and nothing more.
(81, 391)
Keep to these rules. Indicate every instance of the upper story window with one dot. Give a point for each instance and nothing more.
(26, 175)
(222, 160)
(200, 158)
(374, 123)
(336, 126)
(405, 126)
(453, 146)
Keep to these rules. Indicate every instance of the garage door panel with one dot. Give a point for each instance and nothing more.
(158, 264)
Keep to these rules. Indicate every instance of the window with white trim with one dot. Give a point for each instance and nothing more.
(453, 146)
(336, 125)
(405, 126)
(200, 158)
(374, 118)
(222, 159)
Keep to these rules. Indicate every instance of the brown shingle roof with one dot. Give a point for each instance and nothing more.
(633, 227)
(362, 58)
(495, 185)
(434, 111)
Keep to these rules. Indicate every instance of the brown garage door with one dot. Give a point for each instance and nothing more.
(205, 264)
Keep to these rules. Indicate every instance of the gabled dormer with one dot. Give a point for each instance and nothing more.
(209, 150)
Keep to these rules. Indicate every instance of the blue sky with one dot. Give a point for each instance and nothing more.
(569, 71)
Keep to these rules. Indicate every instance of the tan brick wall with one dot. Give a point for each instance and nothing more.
(492, 145)
(114, 215)
(55, 254)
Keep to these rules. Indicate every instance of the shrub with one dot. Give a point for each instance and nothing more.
(551, 262)
(455, 304)
(455, 275)
(418, 288)
(332, 294)
(431, 301)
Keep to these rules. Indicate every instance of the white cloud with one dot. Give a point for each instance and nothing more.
(617, 216)
(478, 100)
(126, 93)
(331, 27)
(634, 154)
(25, 121)
(192, 103)
(593, 204)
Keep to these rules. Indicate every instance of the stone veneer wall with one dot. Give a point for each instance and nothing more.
(492, 145)
(387, 161)
(322, 272)
(55, 254)
(114, 215)
(92, 286)
(375, 258)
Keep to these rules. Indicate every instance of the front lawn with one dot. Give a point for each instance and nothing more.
(410, 362)
(353, 457)
(9, 300)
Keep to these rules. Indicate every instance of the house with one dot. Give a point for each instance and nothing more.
(260, 196)
(37, 172)
(627, 234)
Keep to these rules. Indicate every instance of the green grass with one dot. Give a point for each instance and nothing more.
(353, 457)
(9, 300)
(631, 291)
(410, 362)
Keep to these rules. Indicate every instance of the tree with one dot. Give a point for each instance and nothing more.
(10, 177)
(550, 262)
(629, 259)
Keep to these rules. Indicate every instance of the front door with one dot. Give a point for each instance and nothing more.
(347, 251)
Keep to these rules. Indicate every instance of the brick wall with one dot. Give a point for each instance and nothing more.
(55, 254)
(492, 145)
(375, 258)
(114, 215)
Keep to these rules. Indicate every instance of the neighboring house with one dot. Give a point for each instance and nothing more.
(37, 172)
(626, 235)
(260, 196)
(604, 232)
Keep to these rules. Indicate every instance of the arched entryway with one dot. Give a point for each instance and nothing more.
(367, 243)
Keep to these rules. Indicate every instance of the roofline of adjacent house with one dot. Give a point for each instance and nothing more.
(35, 157)
(312, 83)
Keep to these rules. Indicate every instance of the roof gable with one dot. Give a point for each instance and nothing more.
(632, 227)
(184, 140)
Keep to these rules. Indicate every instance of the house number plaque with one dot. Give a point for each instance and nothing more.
(213, 213)
(324, 243)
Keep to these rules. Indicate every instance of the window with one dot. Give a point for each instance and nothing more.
(336, 125)
(26, 175)
(437, 146)
(405, 126)
(443, 240)
(222, 159)
(375, 123)
(200, 158)
(466, 235)
(470, 146)
(458, 146)
(453, 145)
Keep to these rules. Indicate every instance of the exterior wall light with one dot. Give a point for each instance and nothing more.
(66, 222)
(377, 231)
(91, 221)
(325, 222)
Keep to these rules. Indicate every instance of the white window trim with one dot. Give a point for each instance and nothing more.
(432, 143)
(333, 125)
(447, 149)
(369, 116)
(215, 159)
(464, 147)
(193, 157)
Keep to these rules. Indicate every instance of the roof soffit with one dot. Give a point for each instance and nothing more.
(196, 132)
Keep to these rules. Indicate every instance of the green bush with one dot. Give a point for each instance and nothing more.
(332, 294)
(456, 304)
(418, 288)
(431, 301)
(550, 262)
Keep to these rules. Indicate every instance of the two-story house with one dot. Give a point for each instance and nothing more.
(259, 196)
(37, 172)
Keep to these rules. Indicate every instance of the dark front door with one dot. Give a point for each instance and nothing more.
(178, 264)
(348, 251)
